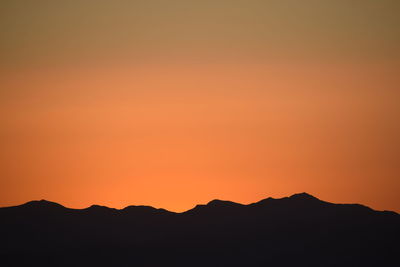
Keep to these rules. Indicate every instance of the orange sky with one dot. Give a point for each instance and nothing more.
(172, 135)
(197, 118)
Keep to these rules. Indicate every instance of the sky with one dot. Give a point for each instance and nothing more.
(175, 103)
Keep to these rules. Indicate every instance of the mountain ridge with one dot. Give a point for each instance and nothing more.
(303, 197)
(299, 230)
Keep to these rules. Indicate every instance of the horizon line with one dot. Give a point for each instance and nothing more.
(304, 195)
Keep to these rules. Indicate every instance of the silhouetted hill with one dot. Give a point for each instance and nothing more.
(300, 230)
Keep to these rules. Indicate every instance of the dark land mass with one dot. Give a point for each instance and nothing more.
(300, 230)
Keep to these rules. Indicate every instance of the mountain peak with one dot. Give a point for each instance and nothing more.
(303, 196)
(99, 207)
(216, 205)
(143, 209)
(43, 203)
(222, 203)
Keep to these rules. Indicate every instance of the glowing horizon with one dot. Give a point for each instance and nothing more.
(175, 105)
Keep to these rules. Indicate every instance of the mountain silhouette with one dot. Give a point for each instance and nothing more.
(299, 230)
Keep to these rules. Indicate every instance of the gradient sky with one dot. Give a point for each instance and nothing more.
(174, 103)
